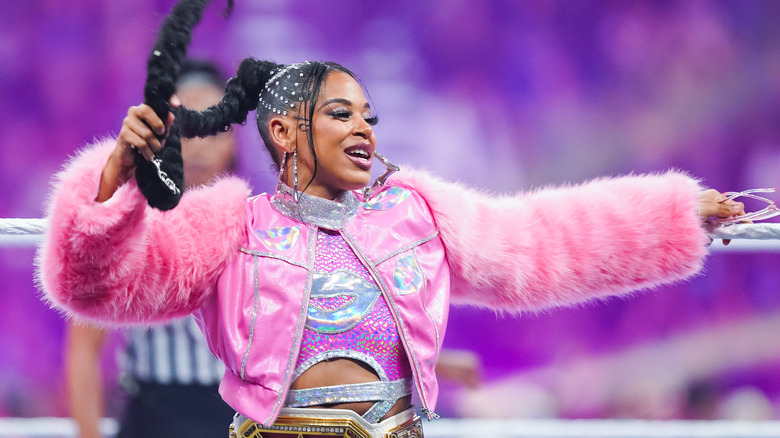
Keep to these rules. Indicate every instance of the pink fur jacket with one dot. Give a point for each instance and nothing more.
(549, 247)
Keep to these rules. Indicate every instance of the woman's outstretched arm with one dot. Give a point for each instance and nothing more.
(559, 246)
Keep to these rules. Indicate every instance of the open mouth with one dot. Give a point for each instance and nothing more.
(360, 155)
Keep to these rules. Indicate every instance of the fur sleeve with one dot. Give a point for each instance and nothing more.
(122, 262)
(559, 246)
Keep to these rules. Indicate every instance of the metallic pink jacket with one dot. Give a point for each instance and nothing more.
(244, 266)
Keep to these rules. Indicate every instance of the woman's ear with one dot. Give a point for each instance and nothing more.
(282, 131)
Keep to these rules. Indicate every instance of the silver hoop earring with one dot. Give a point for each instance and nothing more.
(296, 196)
(380, 181)
(282, 162)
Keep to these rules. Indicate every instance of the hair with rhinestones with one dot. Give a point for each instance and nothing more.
(269, 88)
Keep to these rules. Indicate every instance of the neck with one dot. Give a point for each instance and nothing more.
(311, 188)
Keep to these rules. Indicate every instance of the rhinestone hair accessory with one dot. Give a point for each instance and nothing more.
(280, 94)
(283, 89)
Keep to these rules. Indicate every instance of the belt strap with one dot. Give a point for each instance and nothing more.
(383, 392)
(354, 392)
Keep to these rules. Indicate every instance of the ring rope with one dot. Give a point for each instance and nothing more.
(746, 237)
(46, 427)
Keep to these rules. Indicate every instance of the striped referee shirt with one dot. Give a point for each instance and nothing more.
(173, 353)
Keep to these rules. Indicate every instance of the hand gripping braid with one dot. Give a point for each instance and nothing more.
(162, 180)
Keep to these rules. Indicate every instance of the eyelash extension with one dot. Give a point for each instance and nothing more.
(340, 114)
(345, 114)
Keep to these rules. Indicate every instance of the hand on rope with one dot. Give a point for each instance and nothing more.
(715, 206)
(722, 210)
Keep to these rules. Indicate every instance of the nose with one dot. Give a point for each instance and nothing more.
(363, 128)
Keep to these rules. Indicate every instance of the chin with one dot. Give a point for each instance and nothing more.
(357, 184)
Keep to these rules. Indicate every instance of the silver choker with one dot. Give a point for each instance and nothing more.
(321, 212)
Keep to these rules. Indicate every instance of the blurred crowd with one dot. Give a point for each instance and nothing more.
(504, 95)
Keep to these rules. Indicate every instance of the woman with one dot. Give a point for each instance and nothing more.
(328, 305)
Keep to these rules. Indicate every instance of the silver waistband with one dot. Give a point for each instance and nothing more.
(385, 393)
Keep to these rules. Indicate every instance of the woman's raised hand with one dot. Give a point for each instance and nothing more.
(141, 130)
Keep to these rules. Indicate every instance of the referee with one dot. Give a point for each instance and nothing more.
(169, 374)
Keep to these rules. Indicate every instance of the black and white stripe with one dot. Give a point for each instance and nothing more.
(173, 353)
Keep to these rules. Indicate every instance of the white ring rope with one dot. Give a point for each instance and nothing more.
(48, 427)
(763, 231)
(553, 428)
(21, 232)
(746, 237)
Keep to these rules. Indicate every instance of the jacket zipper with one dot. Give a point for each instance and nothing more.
(372, 270)
(433, 323)
(311, 249)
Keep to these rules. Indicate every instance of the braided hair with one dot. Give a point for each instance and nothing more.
(265, 86)
(270, 89)
(162, 179)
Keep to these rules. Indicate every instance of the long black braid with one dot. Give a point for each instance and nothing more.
(163, 68)
(241, 96)
(251, 83)
(243, 93)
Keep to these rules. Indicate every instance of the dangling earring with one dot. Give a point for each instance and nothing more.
(296, 196)
(283, 161)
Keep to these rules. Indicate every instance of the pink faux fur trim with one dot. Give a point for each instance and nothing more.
(122, 262)
(559, 246)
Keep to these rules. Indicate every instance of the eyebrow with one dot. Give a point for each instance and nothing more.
(343, 101)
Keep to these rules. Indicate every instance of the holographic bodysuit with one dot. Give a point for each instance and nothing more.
(349, 318)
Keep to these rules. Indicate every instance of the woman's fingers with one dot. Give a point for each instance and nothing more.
(134, 141)
(147, 114)
(730, 208)
(714, 204)
(141, 130)
(708, 203)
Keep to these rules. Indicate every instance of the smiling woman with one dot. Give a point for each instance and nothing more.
(328, 304)
(341, 157)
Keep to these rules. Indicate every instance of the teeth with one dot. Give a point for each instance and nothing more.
(359, 153)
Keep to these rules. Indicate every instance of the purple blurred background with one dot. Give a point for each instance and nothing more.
(506, 95)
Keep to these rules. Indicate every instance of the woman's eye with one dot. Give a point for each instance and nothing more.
(373, 121)
(341, 114)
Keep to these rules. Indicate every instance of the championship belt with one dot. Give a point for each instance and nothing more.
(326, 423)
